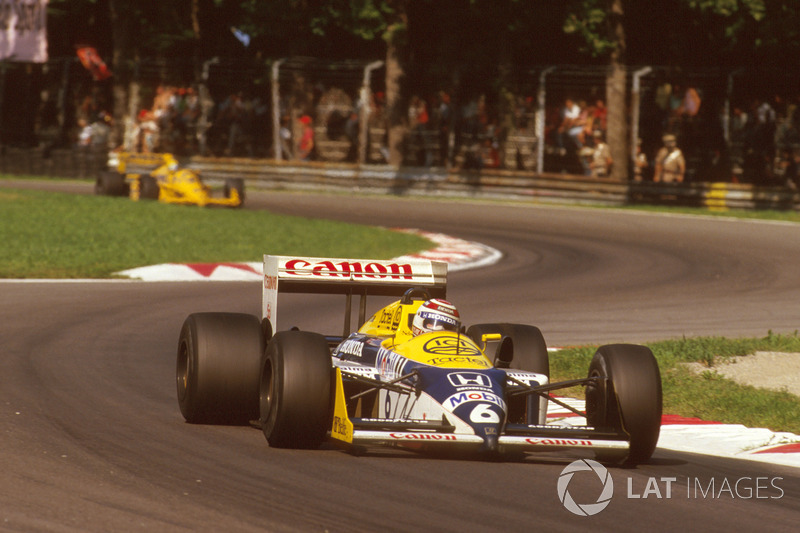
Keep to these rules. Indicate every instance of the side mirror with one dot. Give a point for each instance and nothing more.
(486, 337)
(505, 353)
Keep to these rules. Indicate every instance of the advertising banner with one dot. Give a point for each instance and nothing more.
(23, 30)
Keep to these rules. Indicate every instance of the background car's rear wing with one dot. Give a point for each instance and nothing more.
(316, 275)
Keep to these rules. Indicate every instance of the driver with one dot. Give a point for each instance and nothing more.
(436, 315)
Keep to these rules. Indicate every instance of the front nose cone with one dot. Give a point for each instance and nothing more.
(490, 445)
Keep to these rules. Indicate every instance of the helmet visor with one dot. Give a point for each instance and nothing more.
(439, 322)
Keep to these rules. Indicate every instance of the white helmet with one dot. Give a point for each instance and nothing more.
(436, 315)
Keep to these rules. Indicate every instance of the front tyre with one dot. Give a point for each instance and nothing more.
(295, 390)
(530, 355)
(627, 399)
(217, 368)
(530, 350)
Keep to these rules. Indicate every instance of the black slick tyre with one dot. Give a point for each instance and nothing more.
(629, 401)
(295, 390)
(530, 355)
(530, 350)
(235, 184)
(217, 369)
(110, 183)
(148, 188)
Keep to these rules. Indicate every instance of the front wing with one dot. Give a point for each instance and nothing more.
(433, 434)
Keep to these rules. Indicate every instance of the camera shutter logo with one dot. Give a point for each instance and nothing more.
(585, 509)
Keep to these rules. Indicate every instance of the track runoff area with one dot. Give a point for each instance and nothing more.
(677, 433)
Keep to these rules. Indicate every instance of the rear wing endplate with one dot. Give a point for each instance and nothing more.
(316, 275)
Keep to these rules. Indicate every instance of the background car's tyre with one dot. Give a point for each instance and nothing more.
(530, 354)
(148, 188)
(110, 183)
(295, 391)
(219, 357)
(236, 184)
(631, 401)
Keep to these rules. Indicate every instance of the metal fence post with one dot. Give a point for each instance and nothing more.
(276, 110)
(363, 132)
(540, 118)
(635, 108)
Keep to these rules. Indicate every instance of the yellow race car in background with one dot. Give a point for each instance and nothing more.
(159, 177)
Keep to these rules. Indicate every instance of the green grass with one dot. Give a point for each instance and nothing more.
(709, 395)
(763, 214)
(56, 235)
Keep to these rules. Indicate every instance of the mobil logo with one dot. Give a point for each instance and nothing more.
(469, 379)
(467, 396)
(349, 269)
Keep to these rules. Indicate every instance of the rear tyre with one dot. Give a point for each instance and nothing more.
(111, 184)
(235, 184)
(295, 390)
(148, 188)
(217, 370)
(629, 400)
(530, 354)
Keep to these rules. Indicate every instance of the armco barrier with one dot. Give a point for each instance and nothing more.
(490, 183)
(412, 180)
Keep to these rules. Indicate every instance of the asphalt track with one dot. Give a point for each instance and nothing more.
(92, 439)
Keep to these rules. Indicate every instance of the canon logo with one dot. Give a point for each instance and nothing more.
(349, 269)
(422, 436)
(558, 442)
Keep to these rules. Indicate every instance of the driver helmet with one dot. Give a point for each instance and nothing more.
(436, 315)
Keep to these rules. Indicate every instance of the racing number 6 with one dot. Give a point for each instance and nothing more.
(483, 414)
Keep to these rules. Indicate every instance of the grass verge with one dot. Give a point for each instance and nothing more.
(57, 235)
(708, 396)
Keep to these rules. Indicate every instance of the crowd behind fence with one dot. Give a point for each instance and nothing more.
(727, 132)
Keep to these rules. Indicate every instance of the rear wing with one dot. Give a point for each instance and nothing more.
(316, 275)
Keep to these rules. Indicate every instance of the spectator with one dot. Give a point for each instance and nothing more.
(149, 131)
(640, 162)
(600, 115)
(690, 105)
(670, 164)
(305, 146)
(570, 126)
(418, 119)
(101, 131)
(285, 135)
(764, 126)
(600, 161)
(738, 126)
(444, 119)
(84, 133)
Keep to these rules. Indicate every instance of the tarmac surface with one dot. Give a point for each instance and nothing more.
(93, 439)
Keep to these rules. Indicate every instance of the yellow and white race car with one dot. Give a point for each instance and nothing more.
(159, 177)
(411, 376)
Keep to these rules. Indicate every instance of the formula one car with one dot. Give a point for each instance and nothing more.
(159, 177)
(399, 381)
